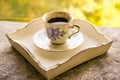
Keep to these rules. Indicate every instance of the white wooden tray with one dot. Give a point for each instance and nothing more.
(52, 63)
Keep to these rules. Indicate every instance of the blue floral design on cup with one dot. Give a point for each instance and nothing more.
(55, 33)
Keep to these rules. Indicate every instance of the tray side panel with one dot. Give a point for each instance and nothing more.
(24, 53)
(78, 59)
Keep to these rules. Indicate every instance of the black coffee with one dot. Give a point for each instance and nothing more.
(57, 20)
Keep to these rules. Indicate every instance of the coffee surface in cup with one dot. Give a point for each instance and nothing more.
(58, 20)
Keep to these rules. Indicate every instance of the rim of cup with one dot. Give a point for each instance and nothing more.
(68, 16)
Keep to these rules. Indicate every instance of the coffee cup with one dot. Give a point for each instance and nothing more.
(57, 24)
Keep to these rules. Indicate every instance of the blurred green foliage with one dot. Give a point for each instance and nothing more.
(99, 12)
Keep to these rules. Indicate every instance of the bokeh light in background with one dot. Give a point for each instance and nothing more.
(99, 12)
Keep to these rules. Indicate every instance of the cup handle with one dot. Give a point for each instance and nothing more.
(78, 27)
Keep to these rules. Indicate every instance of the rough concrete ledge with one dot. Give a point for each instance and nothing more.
(14, 66)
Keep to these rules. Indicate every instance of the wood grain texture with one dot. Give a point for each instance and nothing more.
(14, 66)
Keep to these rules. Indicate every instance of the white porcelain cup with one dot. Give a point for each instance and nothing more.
(58, 27)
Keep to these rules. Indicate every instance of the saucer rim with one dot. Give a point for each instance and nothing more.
(55, 44)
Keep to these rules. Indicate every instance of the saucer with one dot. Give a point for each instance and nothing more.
(41, 40)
